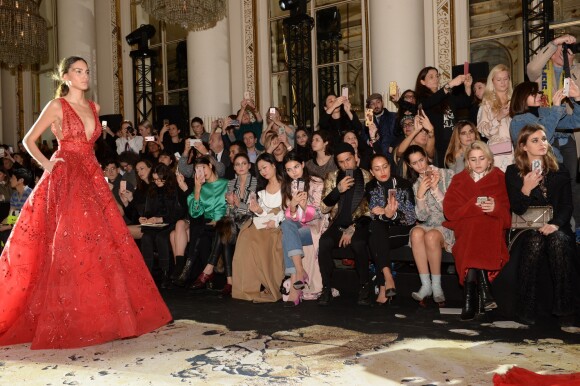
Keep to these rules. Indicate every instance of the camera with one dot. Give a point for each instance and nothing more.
(131, 130)
(575, 48)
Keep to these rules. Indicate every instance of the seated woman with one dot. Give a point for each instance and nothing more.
(134, 202)
(429, 236)
(392, 204)
(549, 184)
(323, 161)
(161, 207)
(363, 151)
(477, 202)
(258, 267)
(238, 197)
(418, 131)
(301, 196)
(464, 134)
(302, 145)
(206, 205)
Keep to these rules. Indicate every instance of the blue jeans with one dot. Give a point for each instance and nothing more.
(294, 236)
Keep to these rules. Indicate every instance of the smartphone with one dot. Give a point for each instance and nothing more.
(272, 111)
(234, 122)
(465, 68)
(566, 90)
(420, 109)
(344, 92)
(300, 185)
(177, 155)
(2, 153)
(368, 117)
(199, 170)
(349, 172)
(537, 165)
(193, 141)
(247, 95)
(481, 200)
(393, 88)
(104, 124)
(252, 198)
(429, 173)
(165, 122)
(11, 149)
(149, 138)
(123, 186)
(107, 179)
(281, 130)
(393, 194)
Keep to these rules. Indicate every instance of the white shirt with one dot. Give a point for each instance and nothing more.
(134, 144)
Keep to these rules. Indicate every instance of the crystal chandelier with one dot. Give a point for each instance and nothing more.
(193, 15)
(23, 33)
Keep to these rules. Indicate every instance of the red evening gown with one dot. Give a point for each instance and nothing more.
(71, 274)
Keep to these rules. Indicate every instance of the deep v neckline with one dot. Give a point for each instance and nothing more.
(80, 119)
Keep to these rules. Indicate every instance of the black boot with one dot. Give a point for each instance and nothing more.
(184, 274)
(325, 296)
(166, 281)
(179, 265)
(484, 289)
(471, 301)
(364, 295)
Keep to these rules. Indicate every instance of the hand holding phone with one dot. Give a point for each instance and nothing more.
(247, 95)
(149, 138)
(537, 166)
(104, 125)
(344, 92)
(123, 186)
(481, 200)
(200, 173)
(566, 90)
(465, 68)
(300, 185)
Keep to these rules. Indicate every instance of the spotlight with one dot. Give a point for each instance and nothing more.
(294, 6)
(141, 36)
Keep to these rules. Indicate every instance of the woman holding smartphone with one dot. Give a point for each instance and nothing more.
(429, 236)
(206, 205)
(258, 267)
(301, 195)
(536, 179)
(392, 205)
(477, 200)
(227, 228)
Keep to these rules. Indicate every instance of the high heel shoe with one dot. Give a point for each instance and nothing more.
(439, 297)
(301, 284)
(295, 302)
(201, 281)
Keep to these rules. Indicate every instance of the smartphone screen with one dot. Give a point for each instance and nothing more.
(252, 198)
(247, 95)
(465, 68)
(272, 111)
(199, 170)
(345, 92)
(368, 117)
(165, 122)
(300, 185)
(149, 138)
(393, 193)
(104, 124)
(420, 109)
(428, 173)
(123, 186)
(536, 165)
(481, 200)
(393, 88)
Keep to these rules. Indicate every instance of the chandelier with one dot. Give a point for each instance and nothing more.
(193, 15)
(23, 33)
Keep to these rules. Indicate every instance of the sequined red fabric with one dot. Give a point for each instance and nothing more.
(71, 274)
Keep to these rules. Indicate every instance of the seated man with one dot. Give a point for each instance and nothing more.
(19, 182)
(344, 197)
(117, 182)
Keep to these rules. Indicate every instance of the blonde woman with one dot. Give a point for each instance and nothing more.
(464, 134)
(493, 120)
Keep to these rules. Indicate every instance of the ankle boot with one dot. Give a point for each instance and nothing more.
(179, 265)
(325, 296)
(470, 300)
(364, 295)
(484, 288)
(184, 275)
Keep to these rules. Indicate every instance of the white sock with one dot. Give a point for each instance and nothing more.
(425, 285)
(436, 283)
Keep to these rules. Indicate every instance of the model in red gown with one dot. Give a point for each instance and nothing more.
(71, 274)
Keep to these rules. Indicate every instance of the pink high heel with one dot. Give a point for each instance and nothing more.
(300, 284)
(295, 302)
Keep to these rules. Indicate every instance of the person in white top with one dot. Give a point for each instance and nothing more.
(128, 140)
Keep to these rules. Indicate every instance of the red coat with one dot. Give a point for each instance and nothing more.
(479, 237)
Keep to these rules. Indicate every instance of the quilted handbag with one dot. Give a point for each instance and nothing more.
(501, 148)
(535, 217)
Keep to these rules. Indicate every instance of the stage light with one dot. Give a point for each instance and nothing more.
(141, 36)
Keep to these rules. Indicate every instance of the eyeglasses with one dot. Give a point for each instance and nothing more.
(409, 124)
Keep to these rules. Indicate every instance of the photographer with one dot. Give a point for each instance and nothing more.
(128, 140)
(547, 70)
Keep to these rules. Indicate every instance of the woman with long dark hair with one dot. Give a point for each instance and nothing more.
(301, 195)
(258, 267)
(323, 161)
(440, 104)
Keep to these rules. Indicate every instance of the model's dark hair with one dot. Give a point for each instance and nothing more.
(287, 182)
(63, 67)
(267, 157)
(411, 173)
(165, 174)
(519, 101)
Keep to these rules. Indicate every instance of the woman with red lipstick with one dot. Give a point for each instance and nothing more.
(392, 205)
(477, 201)
(552, 245)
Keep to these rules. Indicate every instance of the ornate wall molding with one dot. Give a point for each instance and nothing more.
(116, 53)
(444, 39)
(250, 48)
